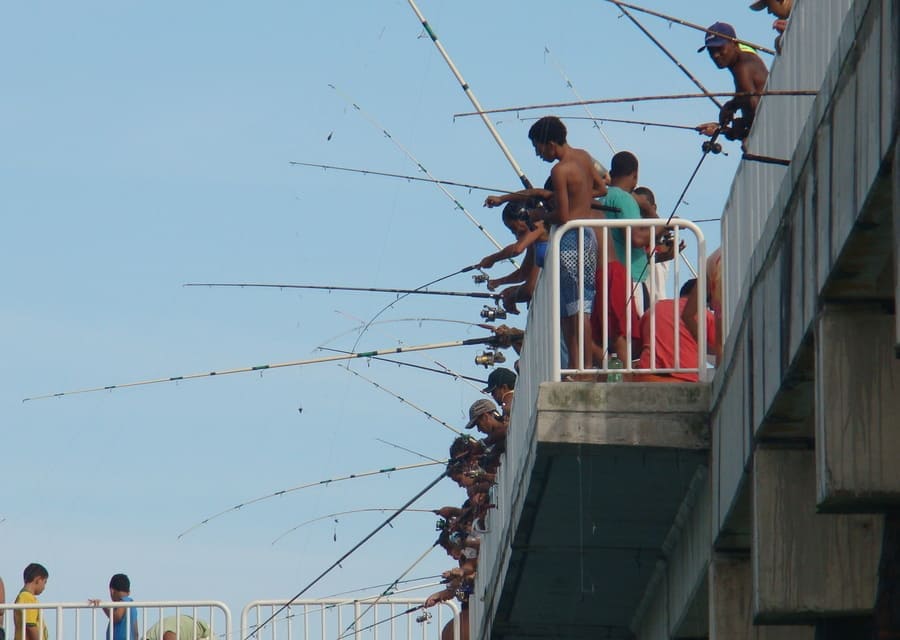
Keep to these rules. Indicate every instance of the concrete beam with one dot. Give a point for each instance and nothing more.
(637, 414)
(731, 604)
(807, 565)
(857, 404)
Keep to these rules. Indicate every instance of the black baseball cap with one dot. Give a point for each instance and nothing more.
(499, 377)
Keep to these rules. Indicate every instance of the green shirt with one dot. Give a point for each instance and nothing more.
(628, 210)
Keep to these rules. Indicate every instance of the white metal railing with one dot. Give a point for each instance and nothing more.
(635, 292)
(809, 45)
(343, 619)
(194, 620)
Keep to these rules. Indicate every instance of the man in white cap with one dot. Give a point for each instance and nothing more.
(483, 414)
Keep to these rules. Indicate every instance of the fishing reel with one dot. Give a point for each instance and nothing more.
(492, 314)
(712, 147)
(441, 525)
(480, 278)
(489, 358)
(425, 617)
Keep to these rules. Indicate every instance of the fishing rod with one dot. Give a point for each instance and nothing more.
(401, 176)
(643, 123)
(378, 586)
(490, 340)
(344, 513)
(674, 96)
(329, 481)
(421, 167)
(406, 402)
(418, 320)
(691, 25)
(571, 86)
(419, 291)
(448, 372)
(386, 591)
(471, 96)
(388, 619)
(668, 54)
(408, 450)
(337, 562)
(445, 369)
(401, 297)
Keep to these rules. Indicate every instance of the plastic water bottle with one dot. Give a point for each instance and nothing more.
(614, 364)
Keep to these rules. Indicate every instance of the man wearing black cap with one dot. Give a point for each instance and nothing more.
(124, 620)
(749, 73)
(501, 384)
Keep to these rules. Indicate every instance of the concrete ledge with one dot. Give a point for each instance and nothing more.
(672, 415)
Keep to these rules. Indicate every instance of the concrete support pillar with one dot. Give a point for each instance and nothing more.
(806, 565)
(731, 604)
(857, 409)
(895, 199)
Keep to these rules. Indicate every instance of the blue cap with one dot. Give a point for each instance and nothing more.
(714, 40)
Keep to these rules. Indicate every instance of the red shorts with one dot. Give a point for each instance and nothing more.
(619, 293)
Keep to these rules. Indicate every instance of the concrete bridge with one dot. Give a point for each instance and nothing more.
(752, 506)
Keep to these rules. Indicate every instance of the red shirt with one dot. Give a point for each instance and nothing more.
(665, 339)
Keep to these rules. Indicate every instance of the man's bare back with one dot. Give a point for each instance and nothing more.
(574, 180)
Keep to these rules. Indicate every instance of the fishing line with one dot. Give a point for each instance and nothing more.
(401, 297)
(668, 54)
(409, 155)
(329, 481)
(451, 183)
(691, 25)
(674, 96)
(349, 553)
(385, 592)
(571, 86)
(405, 401)
(446, 370)
(418, 320)
(344, 513)
(408, 450)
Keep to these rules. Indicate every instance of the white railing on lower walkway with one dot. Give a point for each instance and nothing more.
(201, 620)
(342, 619)
(642, 291)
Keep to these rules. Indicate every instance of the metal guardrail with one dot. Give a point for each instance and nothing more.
(604, 227)
(84, 621)
(343, 619)
(390, 617)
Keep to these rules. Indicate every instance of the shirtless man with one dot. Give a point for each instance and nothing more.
(575, 181)
(750, 75)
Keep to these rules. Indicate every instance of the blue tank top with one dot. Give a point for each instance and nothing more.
(540, 252)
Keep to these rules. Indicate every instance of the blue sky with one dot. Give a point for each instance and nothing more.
(146, 145)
